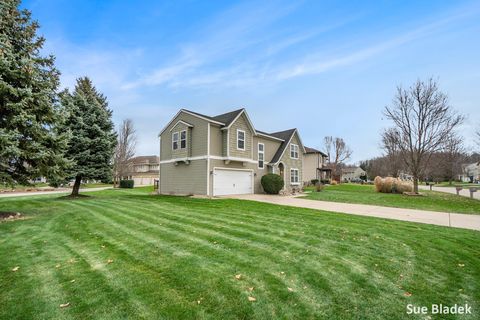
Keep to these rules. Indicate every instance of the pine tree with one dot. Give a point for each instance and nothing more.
(30, 142)
(93, 138)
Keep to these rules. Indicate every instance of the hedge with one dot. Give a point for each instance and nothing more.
(126, 183)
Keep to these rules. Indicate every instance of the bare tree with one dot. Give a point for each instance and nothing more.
(453, 156)
(338, 152)
(425, 120)
(391, 146)
(125, 150)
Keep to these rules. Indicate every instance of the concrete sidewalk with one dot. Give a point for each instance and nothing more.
(465, 192)
(40, 193)
(457, 220)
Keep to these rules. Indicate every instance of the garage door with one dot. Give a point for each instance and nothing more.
(232, 182)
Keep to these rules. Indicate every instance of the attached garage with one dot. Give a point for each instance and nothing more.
(230, 181)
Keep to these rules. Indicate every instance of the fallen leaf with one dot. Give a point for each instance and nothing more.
(57, 266)
(103, 246)
(407, 294)
(250, 289)
(64, 305)
(238, 276)
(251, 299)
(72, 281)
(290, 289)
(282, 272)
(461, 265)
(15, 269)
(109, 261)
(198, 301)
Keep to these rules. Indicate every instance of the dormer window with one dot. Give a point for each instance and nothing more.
(293, 151)
(240, 140)
(175, 141)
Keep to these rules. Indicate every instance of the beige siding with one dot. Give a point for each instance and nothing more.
(311, 162)
(271, 147)
(216, 143)
(290, 163)
(240, 124)
(198, 137)
(184, 179)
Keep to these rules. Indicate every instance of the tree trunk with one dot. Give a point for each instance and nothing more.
(76, 186)
(415, 184)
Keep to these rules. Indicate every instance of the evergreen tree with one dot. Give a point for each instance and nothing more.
(30, 142)
(92, 144)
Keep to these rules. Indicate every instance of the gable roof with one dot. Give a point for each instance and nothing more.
(312, 150)
(145, 160)
(286, 136)
(229, 117)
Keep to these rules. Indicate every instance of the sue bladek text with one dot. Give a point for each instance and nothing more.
(439, 309)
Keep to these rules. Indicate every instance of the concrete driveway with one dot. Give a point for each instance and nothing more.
(457, 220)
(465, 192)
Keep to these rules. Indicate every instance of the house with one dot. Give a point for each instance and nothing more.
(314, 162)
(143, 170)
(471, 173)
(352, 173)
(225, 154)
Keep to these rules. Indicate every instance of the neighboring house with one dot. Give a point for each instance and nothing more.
(471, 172)
(352, 174)
(314, 162)
(143, 170)
(225, 154)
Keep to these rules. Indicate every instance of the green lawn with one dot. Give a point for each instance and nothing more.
(95, 185)
(366, 194)
(177, 258)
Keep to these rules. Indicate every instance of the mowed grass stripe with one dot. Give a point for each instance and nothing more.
(341, 264)
(206, 245)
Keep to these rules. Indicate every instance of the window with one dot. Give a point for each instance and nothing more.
(183, 139)
(261, 155)
(294, 151)
(240, 139)
(175, 141)
(293, 176)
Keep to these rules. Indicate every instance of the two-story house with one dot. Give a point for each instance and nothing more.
(225, 154)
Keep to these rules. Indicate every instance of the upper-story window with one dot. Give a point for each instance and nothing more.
(175, 141)
(183, 139)
(261, 155)
(293, 151)
(179, 140)
(240, 140)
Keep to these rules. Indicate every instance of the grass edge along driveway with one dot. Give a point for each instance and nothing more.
(366, 194)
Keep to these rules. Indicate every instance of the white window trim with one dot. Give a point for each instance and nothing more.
(263, 153)
(244, 139)
(180, 139)
(298, 177)
(295, 147)
(173, 140)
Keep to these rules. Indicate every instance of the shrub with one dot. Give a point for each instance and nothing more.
(272, 183)
(126, 183)
(314, 182)
(325, 181)
(392, 185)
(334, 182)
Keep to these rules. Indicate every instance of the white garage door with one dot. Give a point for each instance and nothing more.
(232, 182)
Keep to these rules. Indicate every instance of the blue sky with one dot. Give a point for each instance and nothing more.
(325, 67)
